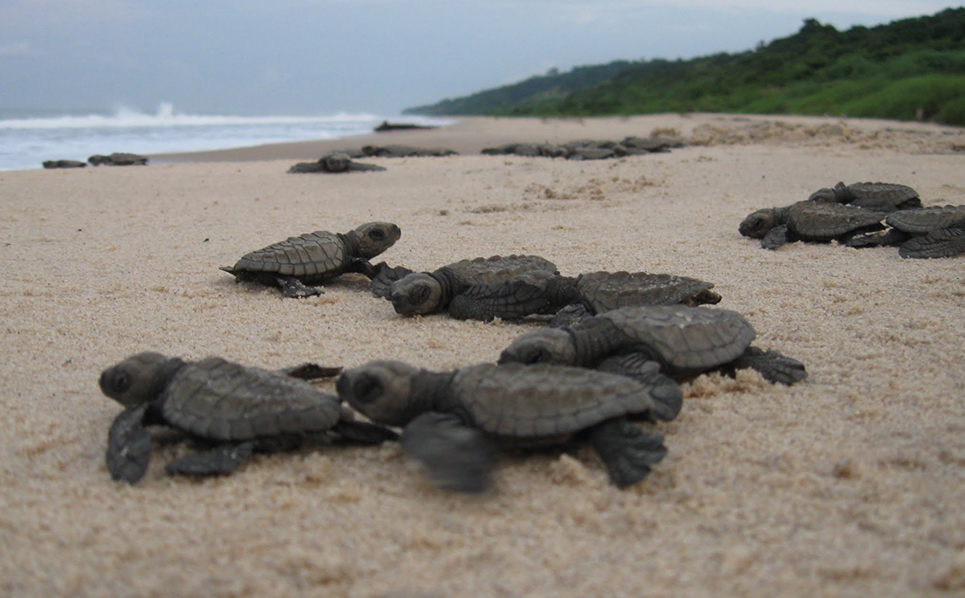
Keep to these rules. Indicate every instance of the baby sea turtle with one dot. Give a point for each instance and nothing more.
(406, 151)
(933, 232)
(542, 292)
(64, 164)
(335, 162)
(809, 221)
(118, 159)
(880, 197)
(233, 409)
(313, 258)
(417, 293)
(454, 420)
(684, 341)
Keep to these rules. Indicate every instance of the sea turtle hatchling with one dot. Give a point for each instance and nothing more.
(880, 197)
(542, 292)
(809, 221)
(684, 341)
(335, 162)
(233, 409)
(453, 421)
(419, 293)
(932, 232)
(298, 263)
(118, 159)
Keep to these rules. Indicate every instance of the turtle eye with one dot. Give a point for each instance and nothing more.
(122, 381)
(376, 235)
(538, 355)
(366, 389)
(419, 295)
(116, 381)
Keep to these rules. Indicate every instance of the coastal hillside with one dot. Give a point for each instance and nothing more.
(905, 70)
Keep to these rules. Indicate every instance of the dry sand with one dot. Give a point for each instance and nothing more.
(851, 483)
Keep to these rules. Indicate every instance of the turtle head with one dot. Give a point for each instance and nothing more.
(375, 237)
(416, 294)
(336, 162)
(759, 223)
(380, 390)
(134, 380)
(550, 345)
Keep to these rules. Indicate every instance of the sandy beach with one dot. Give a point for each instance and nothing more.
(851, 483)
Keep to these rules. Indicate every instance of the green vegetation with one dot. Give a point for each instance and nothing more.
(535, 89)
(903, 70)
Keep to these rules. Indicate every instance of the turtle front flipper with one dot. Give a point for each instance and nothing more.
(383, 279)
(776, 237)
(570, 315)
(667, 395)
(944, 242)
(773, 366)
(129, 445)
(363, 167)
(220, 460)
(457, 457)
(292, 287)
(626, 449)
(363, 266)
(311, 371)
(356, 432)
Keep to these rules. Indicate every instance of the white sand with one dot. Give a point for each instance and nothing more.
(851, 483)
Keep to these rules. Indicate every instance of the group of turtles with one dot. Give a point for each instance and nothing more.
(115, 159)
(589, 149)
(613, 355)
(580, 149)
(864, 215)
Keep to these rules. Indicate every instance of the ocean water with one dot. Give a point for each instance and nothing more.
(27, 138)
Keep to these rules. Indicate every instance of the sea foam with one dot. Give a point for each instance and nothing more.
(25, 142)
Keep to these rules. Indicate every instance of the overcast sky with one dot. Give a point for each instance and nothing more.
(325, 56)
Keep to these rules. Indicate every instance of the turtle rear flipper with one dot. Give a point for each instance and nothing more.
(457, 457)
(220, 460)
(944, 242)
(773, 366)
(627, 450)
(129, 445)
(776, 237)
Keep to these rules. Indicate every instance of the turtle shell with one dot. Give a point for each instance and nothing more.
(218, 399)
(942, 242)
(877, 196)
(605, 291)
(543, 400)
(497, 269)
(818, 221)
(926, 219)
(685, 338)
(311, 257)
